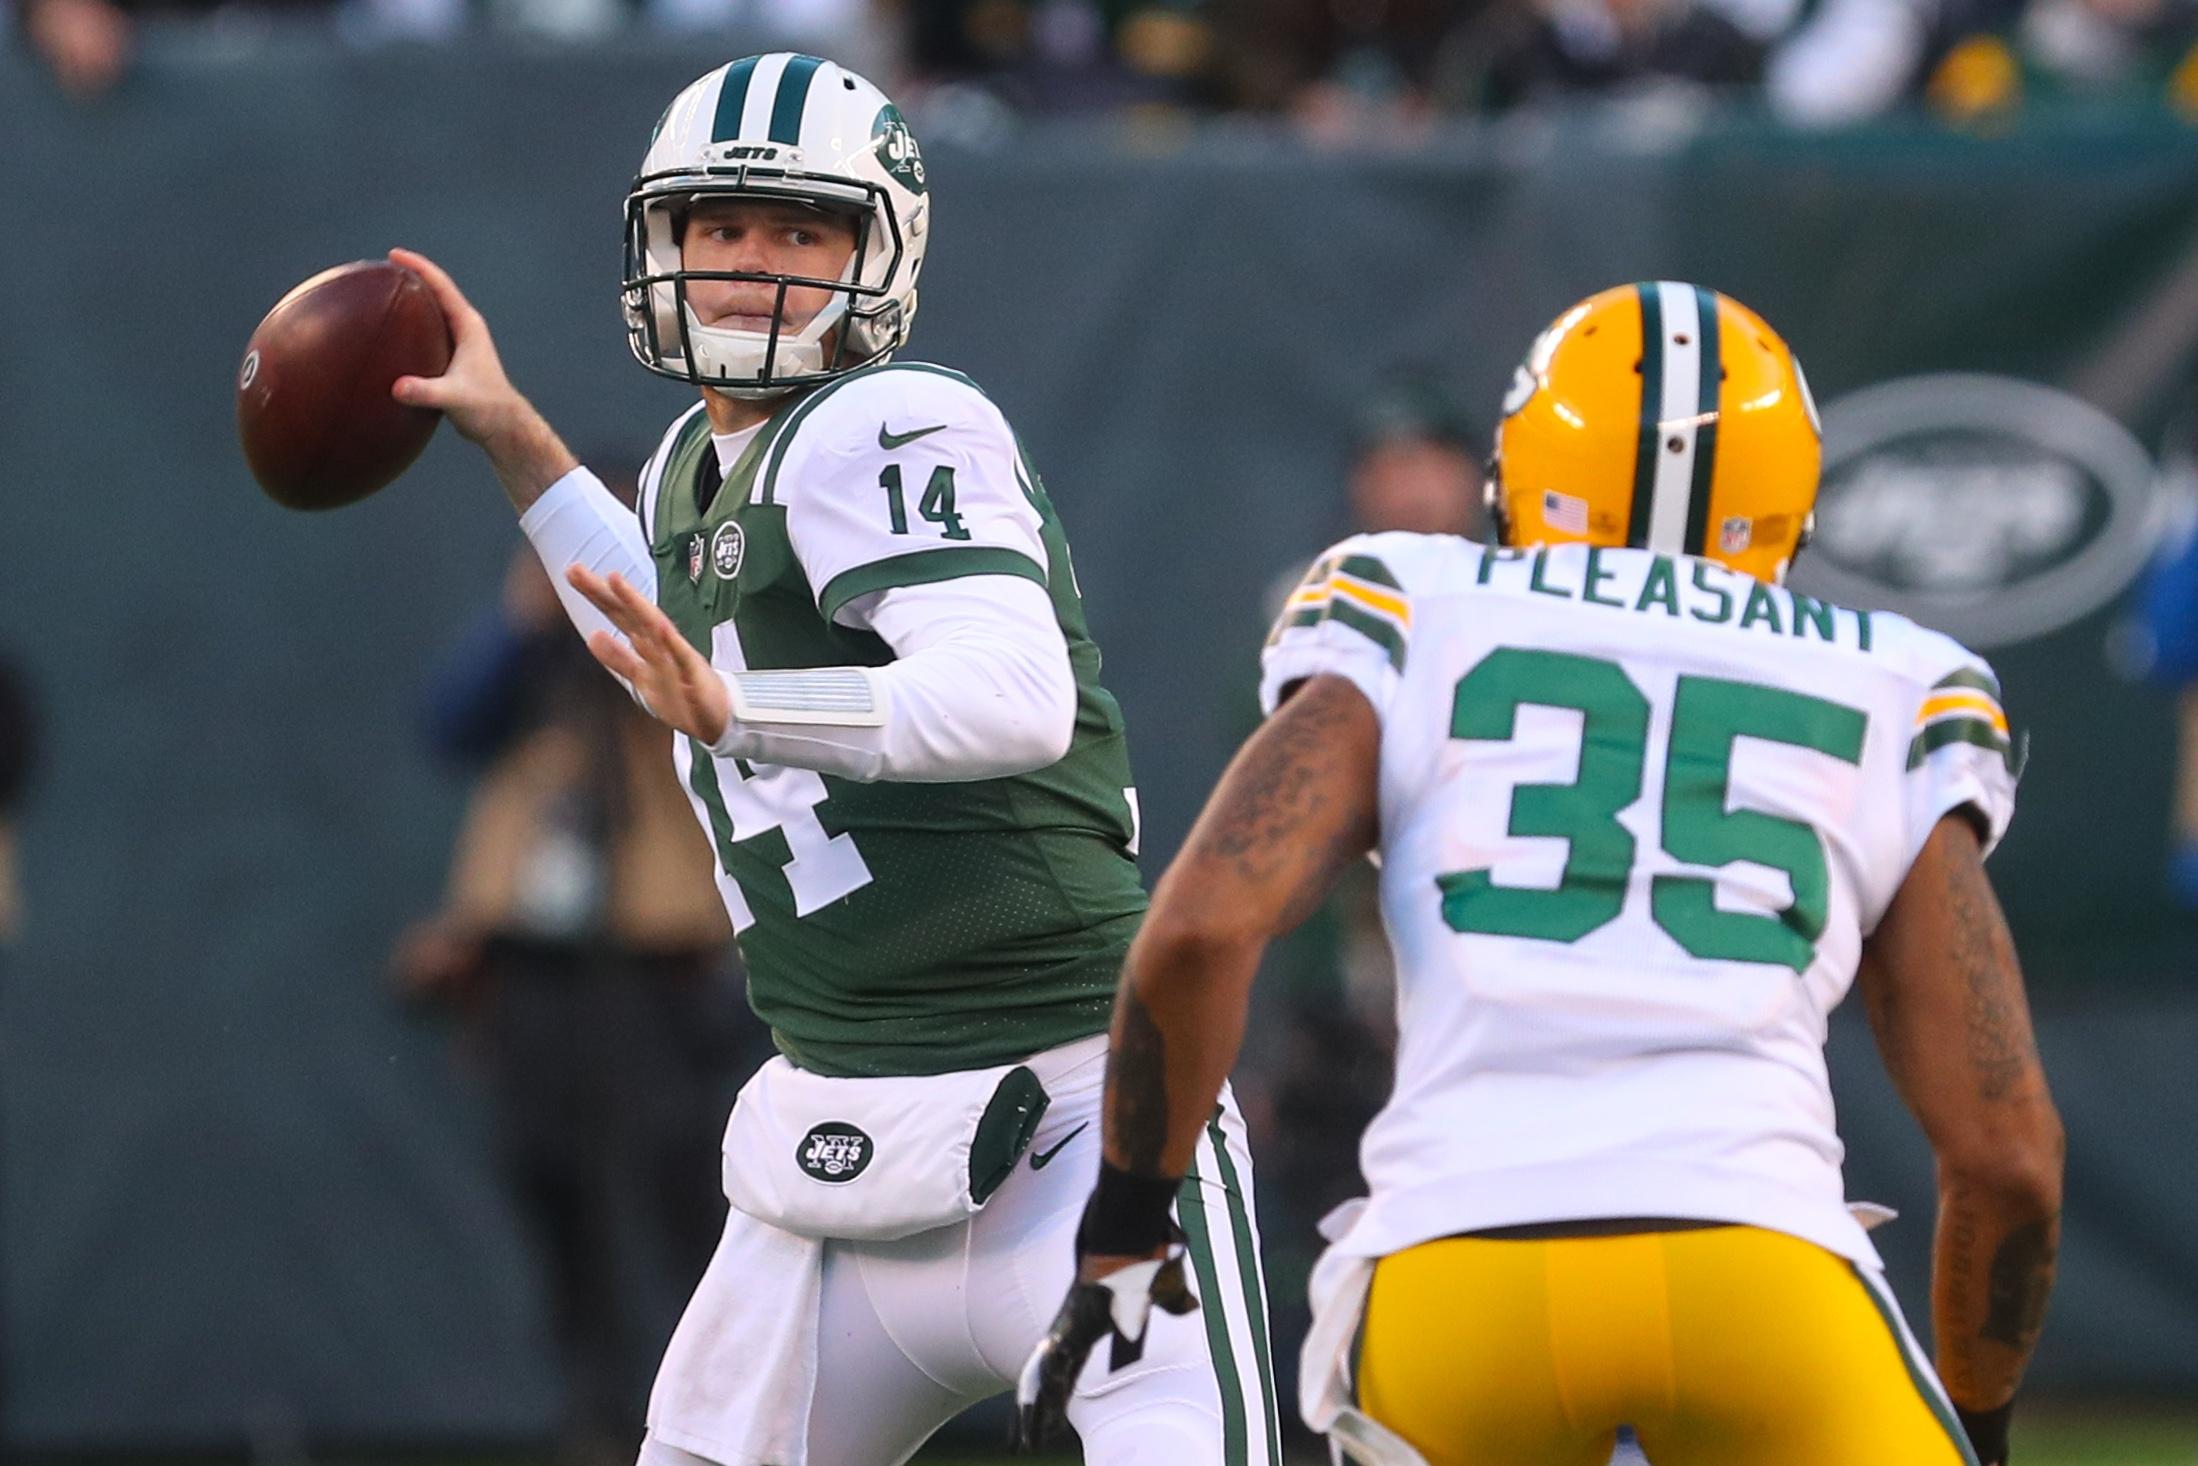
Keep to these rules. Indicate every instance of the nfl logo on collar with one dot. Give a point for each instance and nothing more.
(694, 557)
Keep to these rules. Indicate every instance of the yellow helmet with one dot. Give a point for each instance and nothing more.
(1704, 440)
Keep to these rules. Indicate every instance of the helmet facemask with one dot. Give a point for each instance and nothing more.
(860, 322)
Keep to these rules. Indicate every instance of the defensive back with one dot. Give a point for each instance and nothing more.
(1638, 812)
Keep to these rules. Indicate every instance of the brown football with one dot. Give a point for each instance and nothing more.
(314, 413)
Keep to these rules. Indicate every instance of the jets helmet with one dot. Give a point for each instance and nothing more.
(1663, 416)
(779, 127)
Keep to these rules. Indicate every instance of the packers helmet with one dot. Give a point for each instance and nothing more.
(1663, 416)
(790, 128)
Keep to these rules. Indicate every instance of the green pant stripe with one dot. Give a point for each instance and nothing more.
(792, 99)
(1255, 1291)
(1190, 1209)
(1919, 1373)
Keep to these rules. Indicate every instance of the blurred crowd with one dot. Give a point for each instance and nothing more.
(1340, 70)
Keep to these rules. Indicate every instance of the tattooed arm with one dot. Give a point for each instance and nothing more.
(1945, 999)
(1296, 807)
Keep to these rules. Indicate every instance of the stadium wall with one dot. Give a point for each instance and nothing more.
(242, 1198)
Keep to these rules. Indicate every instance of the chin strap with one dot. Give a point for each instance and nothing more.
(1492, 499)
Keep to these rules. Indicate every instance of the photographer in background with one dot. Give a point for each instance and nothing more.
(18, 754)
(584, 952)
(18, 758)
(1327, 1030)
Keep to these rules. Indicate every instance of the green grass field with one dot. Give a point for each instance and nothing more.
(2058, 1438)
(2104, 1441)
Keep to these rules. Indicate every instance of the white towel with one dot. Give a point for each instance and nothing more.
(741, 1369)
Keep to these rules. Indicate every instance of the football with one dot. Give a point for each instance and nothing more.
(314, 413)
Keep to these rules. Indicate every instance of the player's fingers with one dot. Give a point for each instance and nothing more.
(631, 598)
(616, 656)
(456, 308)
(649, 623)
(602, 597)
(421, 391)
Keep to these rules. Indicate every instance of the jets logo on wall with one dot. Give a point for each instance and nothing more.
(1992, 509)
(834, 1152)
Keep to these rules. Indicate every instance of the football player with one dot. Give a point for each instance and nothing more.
(848, 592)
(1643, 816)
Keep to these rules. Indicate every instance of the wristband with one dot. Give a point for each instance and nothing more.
(1987, 1432)
(1127, 1216)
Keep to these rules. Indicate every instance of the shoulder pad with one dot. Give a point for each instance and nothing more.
(879, 410)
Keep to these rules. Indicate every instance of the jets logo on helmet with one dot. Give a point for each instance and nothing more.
(897, 146)
(1663, 416)
(786, 128)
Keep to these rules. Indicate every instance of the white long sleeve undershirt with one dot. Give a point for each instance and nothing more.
(981, 687)
(579, 522)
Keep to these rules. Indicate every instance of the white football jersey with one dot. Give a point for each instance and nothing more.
(1638, 813)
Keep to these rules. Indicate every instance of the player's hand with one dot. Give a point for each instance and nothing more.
(478, 398)
(473, 391)
(673, 680)
(1111, 1295)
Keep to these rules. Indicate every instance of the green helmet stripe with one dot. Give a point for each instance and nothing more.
(793, 95)
(732, 99)
(1652, 404)
(1705, 435)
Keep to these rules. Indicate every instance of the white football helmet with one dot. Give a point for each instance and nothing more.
(780, 126)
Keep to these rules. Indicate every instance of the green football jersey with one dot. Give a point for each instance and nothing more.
(893, 928)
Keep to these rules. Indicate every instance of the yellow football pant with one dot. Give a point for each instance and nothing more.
(1726, 1346)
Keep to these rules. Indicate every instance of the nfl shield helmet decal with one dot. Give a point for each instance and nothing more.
(727, 547)
(834, 1153)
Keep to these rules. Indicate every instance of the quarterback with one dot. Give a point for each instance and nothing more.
(846, 590)
(1643, 816)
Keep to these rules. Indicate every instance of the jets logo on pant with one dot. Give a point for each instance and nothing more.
(834, 1153)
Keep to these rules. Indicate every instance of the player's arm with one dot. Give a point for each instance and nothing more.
(1297, 805)
(906, 511)
(1295, 809)
(1945, 998)
(478, 398)
(981, 687)
(566, 512)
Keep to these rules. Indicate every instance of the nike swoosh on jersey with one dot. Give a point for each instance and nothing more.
(891, 440)
(1038, 1159)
